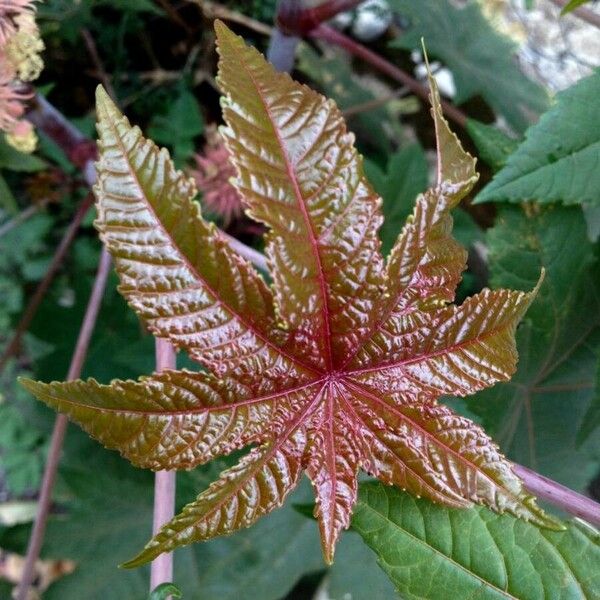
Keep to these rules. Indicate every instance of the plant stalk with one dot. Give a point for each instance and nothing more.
(161, 570)
(60, 425)
(559, 495)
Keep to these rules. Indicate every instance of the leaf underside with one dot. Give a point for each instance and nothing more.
(333, 369)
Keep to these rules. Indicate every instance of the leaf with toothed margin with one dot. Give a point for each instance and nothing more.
(338, 366)
(431, 551)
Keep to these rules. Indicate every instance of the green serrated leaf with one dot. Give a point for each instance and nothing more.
(558, 160)
(537, 416)
(430, 551)
(493, 145)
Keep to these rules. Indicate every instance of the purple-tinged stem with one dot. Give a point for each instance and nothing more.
(161, 570)
(328, 34)
(559, 495)
(60, 425)
(297, 20)
(43, 286)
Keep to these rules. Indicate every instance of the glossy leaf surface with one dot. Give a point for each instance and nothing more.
(431, 551)
(335, 369)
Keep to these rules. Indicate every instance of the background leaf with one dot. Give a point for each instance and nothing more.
(430, 551)
(558, 161)
(479, 57)
(536, 416)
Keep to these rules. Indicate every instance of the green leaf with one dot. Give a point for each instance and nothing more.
(178, 128)
(480, 58)
(262, 562)
(405, 177)
(13, 160)
(430, 551)
(165, 591)
(333, 74)
(494, 146)
(536, 417)
(591, 419)
(558, 160)
(7, 200)
(572, 5)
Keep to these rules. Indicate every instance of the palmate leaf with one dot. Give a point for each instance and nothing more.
(335, 369)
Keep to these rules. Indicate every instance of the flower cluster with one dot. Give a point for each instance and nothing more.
(20, 61)
(213, 178)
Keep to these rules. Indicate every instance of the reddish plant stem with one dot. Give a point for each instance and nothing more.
(328, 34)
(294, 19)
(559, 495)
(60, 425)
(43, 286)
(161, 570)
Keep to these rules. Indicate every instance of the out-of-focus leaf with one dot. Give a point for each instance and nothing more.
(13, 160)
(405, 177)
(591, 419)
(493, 146)
(16, 512)
(337, 367)
(536, 417)
(7, 200)
(333, 74)
(431, 551)
(558, 160)
(178, 128)
(108, 517)
(165, 591)
(480, 58)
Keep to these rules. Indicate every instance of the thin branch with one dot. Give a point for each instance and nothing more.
(559, 495)
(21, 217)
(93, 52)
(59, 255)
(60, 425)
(214, 10)
(161, 570)
(328, 34)
(585, 14)
(357, 109)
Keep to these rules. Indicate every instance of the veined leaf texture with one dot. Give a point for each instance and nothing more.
(334, 368)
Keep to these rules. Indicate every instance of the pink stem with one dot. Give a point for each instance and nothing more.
(294, 19)
(60, 425)
(328, 34)
(559, 495)
(164, 485)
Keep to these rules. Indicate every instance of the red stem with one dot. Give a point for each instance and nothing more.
(60, 425)
(293, 19)
(559, 495)
(43, 286)
(161, 570)
(328, 34)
